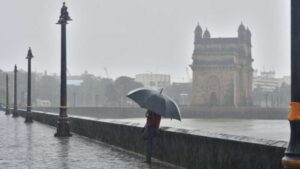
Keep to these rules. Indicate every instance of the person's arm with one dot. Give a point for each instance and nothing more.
(146, 115)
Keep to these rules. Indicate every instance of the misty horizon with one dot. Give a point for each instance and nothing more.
(134, 37)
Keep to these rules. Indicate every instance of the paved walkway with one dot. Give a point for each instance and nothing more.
(34, 146)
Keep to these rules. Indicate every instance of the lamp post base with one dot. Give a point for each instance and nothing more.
(63, 127)
(15, 113)
(28, 118)
(291, 163)
(7, 112)
(291, 160)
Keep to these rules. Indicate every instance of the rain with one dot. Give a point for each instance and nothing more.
(149, 84)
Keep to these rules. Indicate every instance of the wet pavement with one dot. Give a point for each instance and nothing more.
(33, 146)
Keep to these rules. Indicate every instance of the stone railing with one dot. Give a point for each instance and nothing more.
(192, 149)
(186, 112)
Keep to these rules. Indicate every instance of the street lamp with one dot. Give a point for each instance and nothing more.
(63, 123)
(7, 112)
(291, 160)
(28, 117)
(15, 112)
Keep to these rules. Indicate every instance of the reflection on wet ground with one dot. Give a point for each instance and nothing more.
(34, 146)
(267, 129)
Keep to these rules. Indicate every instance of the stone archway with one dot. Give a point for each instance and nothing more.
(213, 100)
(213, 90)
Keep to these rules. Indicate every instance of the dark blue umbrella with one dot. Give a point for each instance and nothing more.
(155, 101)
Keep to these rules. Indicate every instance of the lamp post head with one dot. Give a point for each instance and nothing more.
(64, 15)
(15, 69)
(29, 54)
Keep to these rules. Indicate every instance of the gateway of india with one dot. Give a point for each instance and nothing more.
(222, 69)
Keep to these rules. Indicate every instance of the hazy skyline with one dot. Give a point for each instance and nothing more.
(138, 36)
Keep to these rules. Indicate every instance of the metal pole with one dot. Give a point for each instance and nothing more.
(7, 112)
(63, 123)
(63, 74)
(28, 118)
(291, 160)
(15, 112)
(74, 99)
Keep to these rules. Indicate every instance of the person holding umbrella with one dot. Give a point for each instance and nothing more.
(150, 131)
(157, 105)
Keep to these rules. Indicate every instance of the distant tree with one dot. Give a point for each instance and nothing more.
(123, 85)
(22, 87)
(102, 90)
(112, 96)
(48, 88)
(88, 89)
(2, 87)
(2, 95)
(93, 90)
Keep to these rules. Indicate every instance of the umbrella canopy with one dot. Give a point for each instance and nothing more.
(155, 101)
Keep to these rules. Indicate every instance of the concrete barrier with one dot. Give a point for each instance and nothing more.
(186, 112)
(236, 113)
(192, 149)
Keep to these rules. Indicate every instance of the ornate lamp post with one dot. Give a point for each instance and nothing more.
(15, 112)
(63, 123)
(7, 112)
(28, 118)
(291, 160)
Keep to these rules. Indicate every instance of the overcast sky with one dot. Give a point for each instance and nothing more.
(138, 36)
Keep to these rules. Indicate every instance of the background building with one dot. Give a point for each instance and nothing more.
(266, 81)
(155, 81)
(180, 92)
(270, 91)
(222, 69)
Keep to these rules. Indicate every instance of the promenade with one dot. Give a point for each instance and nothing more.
(33, 146)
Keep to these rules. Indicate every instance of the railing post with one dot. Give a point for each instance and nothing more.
(291, 160)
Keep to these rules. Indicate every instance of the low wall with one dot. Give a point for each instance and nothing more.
(186, 112)
(100, 112)
(239, 113)
(192, 149)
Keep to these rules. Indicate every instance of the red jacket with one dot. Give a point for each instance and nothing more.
(153, 119)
